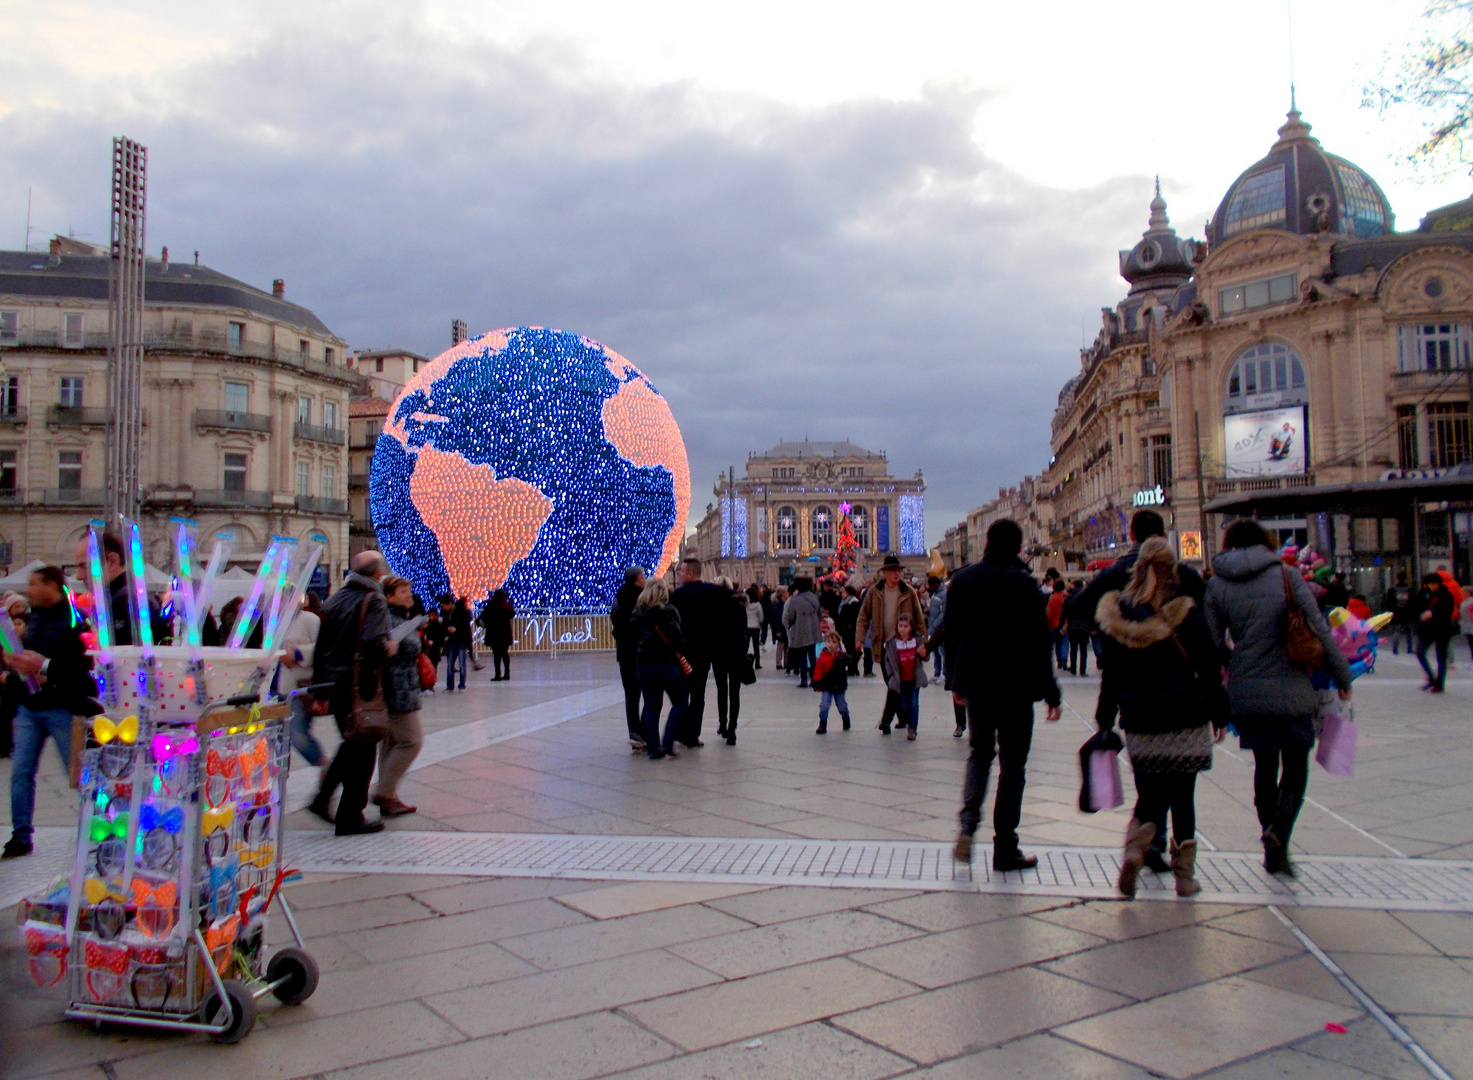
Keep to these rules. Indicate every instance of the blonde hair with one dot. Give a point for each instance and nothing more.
(656, 594)
(1154, 578)
(725, 582)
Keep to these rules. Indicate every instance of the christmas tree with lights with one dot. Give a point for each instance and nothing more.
(846, 547)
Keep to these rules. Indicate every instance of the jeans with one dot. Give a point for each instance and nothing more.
(1061, 647)
(1155, 793)
(1278, 796)
(826, 699)
(397, 752)
(910, 704)
(1399, 633)
(1440, 645)
(629, 676)
(453, 653)
(694, 717)
(936, 671)
(728, 694)
(869, 661)
(655, 681)
(30, 732)
(1007, 733)
(303, 740)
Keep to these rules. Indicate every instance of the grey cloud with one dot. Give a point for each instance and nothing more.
(860, 271)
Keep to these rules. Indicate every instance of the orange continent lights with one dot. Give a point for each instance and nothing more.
(534, 460)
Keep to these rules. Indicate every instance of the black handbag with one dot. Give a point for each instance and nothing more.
(748, 674)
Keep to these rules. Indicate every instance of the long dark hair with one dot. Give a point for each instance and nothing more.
(1247, 533)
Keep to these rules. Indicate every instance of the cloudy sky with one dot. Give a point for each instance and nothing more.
(891, 223)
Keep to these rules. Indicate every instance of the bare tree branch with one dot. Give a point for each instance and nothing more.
(1433, 82)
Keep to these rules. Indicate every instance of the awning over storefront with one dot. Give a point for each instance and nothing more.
(1455, 485)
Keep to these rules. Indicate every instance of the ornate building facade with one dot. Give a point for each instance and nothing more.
(1307, 365)
(244, 404)
(781, 519)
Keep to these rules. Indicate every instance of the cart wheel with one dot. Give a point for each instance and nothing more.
(300, 972)
(242, 1012)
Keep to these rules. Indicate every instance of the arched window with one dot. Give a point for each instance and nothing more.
(859, 518)
(821, 529)
(1264, 376)
(786, 532)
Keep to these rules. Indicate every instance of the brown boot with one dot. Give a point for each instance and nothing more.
(1184, 866)
(962, 852)
(1138, 839)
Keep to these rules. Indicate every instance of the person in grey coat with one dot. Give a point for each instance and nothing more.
(800, 620)
(401, 695)
(1272, 702)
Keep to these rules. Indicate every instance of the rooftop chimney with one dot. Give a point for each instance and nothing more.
(196, 257)
(278, 288)
(166, 258)
(459, 331)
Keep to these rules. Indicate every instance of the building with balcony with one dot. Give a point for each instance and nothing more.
(780, 520)
(1307, 365)
(244, 400)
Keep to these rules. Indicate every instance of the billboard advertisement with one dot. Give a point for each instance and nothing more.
(1269, 442)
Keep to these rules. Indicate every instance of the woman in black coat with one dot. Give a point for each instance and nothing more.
(496, 619)
(659, 657)
(1166, 682)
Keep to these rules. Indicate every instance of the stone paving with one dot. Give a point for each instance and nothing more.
(457, 975)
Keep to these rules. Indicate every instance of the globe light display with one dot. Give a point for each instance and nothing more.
(534, 460)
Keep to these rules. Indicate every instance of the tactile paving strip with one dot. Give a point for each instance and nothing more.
(1226, 877)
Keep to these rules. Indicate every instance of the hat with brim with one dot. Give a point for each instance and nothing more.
(892, 562)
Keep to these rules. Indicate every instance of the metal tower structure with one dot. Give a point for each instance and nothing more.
(125, 328)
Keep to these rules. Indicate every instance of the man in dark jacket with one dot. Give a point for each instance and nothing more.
(626, 648)
(119, 600)
(998, 653)
(355, 628)
(1114, 578)
(705, 610)
(53, 654)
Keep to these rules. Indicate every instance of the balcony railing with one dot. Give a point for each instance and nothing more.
(54, 339)
(358, 480)
(360, 525)
(220, 497)
(1260, 483)
(12, 496)
(15, 417)
(78, 416)
(315, 433)
(233, 421)
(311, 504)
(75, 497)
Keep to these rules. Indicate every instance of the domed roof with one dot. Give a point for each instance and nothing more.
(1301, 188)
(1161, 259)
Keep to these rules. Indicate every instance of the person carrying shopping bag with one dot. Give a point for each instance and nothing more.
(1167, 686)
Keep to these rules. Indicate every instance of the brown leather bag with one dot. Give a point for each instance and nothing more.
(369, 719)
(1305, 649)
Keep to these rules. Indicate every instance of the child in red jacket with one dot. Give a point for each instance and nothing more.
(831, 680)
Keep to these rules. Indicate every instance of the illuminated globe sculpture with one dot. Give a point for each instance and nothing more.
(532, 459)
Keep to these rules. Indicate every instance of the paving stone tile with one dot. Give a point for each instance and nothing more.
(458, 931)
(362, 915)
(634, 897)
(1431, 985)
(1448, 1039)
(1341, 929)
(303, 1049)
(478, 893)
(940, 959)
(346, 890)
(1205, 1027)
(799, 941)
(1365, 1045)
(573, 991)
(968, 1016)
(1038, 1057)
(1451, 933)
(63, 1045)
(602, 940)
(1122, 920)
(713, 1015)
(1260, 924)
(1303, 975)
(565, 1050)
(801, 1053)
(1149, 966)
(951, 910)
(1286, 1064)
(773, 905)
(405, 979)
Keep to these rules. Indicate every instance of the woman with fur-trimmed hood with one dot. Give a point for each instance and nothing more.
(1168, 687)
